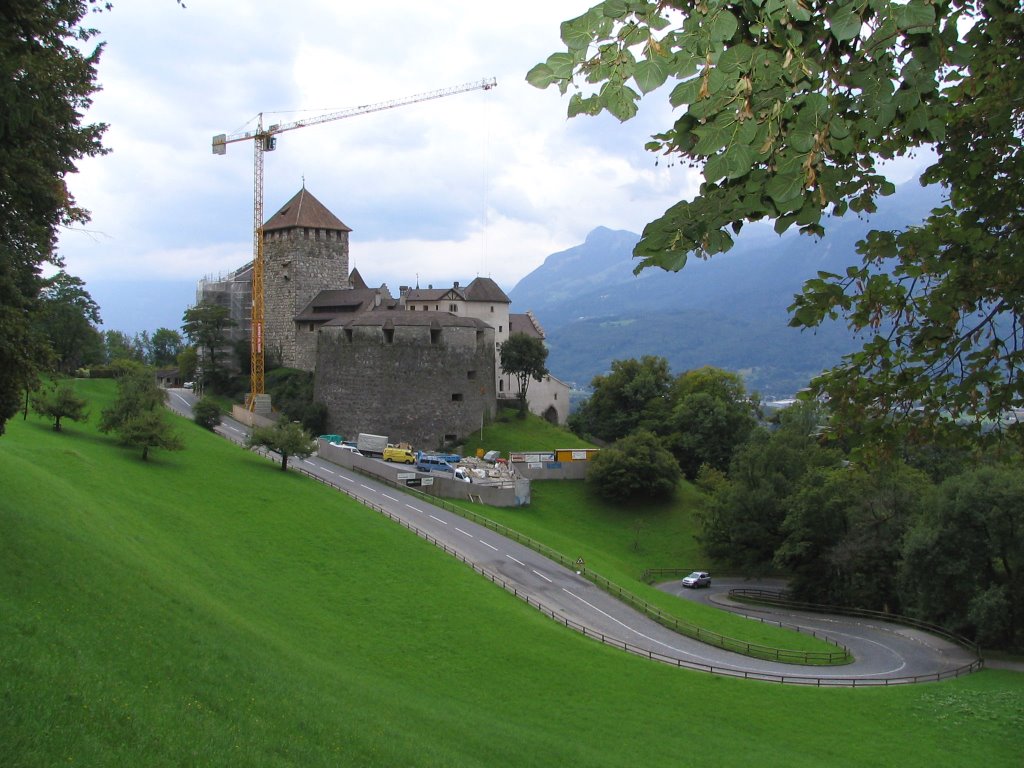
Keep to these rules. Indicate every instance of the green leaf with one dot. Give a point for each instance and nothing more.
(614, 9)
(620, 100)
(783, 188)
(584, 106)
(801, 141)
(711, 137)
(540, 76)
(685, 93)
(650, 74)
(561, 65)
(715, 168)
(915, 16)
(739, 158)
(578, 33)
(723, 26)
(844, 23)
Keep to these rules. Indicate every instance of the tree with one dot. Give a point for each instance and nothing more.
(523, 356)
(187, 362)
(60, 402)
(137, 393)
(712, 415)
(166, 346)
(286, 438)
(788, 107)
(148, 430)
(963, 560)
(47, 78)
(843, 529)
(67, 317)
(635, 394)
(206, 326)
(136, 415)
(206, 413)
(637, 467)
(742, 523)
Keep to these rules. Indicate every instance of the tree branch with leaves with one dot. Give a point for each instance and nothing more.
(788, 107)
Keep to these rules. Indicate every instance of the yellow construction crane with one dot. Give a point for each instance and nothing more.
(263, 141)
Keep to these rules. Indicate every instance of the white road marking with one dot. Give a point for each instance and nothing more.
(443, 522)
(514, 560)
(641, 634)
(349, 479)
(414, 509)
(367, 487)
(544, 577)
(329, 471)
(488, 545)
(462, 531)
(389, 497)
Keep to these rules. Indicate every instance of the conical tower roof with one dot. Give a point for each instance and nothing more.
(304, 210)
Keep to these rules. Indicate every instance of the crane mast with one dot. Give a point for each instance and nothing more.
(264, 140)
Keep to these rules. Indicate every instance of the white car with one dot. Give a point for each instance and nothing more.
(350, 448)
(697, 579)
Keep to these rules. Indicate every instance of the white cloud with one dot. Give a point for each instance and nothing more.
(485, 183)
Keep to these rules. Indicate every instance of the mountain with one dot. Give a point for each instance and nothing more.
(728, 311)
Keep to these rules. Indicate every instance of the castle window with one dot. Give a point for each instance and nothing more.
(450, 438)
(435, 335)
(305, 232)
(456, 397)
(471, 375)
(453, 307)
(389, 335)
(412, 308)
(492, 307)
(348, 335)
(312, 326)
(501, 385)
(500, 327)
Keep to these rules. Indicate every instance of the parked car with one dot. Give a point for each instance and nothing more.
(349, 448)
(401, 455)
(697, 579)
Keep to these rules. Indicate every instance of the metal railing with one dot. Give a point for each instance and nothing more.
(781, 599)
(705, 636)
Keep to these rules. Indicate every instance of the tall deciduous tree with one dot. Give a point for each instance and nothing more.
(635, 394)
(166, 345)
(206, 326)
(524, 357)
(788, 108)
(963, 560)
(68, 317)
(712, 414)
(47, 78)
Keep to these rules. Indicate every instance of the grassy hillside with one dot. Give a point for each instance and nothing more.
(204, 608)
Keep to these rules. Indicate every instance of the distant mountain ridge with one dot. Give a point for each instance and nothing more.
(728, 311)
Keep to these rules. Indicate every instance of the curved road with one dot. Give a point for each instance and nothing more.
(885, 653)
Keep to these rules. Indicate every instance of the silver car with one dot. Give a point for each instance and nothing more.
(697, 579)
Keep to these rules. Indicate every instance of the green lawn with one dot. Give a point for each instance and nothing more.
(204, 608)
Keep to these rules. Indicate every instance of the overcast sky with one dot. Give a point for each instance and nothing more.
(481, 183)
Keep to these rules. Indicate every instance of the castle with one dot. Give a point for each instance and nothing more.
(422, 368)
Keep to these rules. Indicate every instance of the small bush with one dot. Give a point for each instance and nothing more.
(206, 413)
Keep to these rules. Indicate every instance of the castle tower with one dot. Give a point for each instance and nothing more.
(305, 251)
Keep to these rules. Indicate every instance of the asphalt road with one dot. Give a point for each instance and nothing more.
(885, 653)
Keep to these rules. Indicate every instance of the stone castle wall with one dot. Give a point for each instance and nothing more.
(414, 383)
(298, 264)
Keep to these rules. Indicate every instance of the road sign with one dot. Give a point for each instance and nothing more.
(406, 475)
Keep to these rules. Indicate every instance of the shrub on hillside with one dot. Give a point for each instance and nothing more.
(206, 413)
(637, 467)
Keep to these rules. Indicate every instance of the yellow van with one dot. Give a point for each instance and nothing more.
(401, 455)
